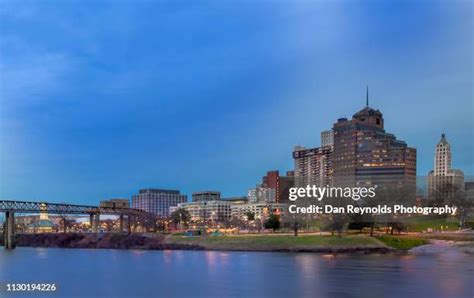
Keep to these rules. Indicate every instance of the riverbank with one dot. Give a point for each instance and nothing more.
(286, 243)
(110, 241)
(269, 243)
(359, 243)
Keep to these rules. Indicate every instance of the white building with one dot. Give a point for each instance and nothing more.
(208, 211)
(442, 174)
(261, 194)
(260, 210)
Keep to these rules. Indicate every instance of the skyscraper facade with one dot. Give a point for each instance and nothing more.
(327, 138)
(281, 184)
(365, 154)
(313, 166)
(442, 175)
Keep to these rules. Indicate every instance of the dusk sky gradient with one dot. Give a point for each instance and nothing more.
(100, 99)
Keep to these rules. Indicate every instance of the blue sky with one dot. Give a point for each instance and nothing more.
(100, 99)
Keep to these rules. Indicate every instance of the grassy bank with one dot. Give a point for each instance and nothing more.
(278, 242)
(420, 224)
(402, 242)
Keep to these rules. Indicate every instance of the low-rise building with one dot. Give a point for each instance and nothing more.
(236, 200)
(261, 194)
(207, 211)
(260, 210)
(115, 203)
(206, 195)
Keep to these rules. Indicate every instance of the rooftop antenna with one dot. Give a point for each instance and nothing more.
(367, 97)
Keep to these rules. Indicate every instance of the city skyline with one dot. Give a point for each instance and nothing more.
(112, 114)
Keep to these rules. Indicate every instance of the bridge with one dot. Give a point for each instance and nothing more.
(94, 212)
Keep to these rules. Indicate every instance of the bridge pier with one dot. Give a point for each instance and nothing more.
(9, 230)
(121, 222)
(91, 221)
(94, 219)
(97, 222)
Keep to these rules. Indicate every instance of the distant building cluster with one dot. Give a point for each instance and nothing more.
(354, 152)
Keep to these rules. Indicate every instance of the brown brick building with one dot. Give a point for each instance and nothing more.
(365, 154)
(281, 184)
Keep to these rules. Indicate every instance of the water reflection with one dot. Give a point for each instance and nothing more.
(115, 273)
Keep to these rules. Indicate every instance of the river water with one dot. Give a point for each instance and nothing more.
(121, 273)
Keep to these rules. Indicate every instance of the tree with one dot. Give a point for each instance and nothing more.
(237, 222)
(293, 221)
(148, 221)
(162, 224)
(180, 216)
(273, 222)
(109, 224)
(66, 222)
(398, 226)
(455, 195)
(336, 223)
(250, 216)
(391, 194)
(359, 222)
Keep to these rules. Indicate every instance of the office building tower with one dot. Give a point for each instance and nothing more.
(281, 184)
(327, 138)
(157, 201)
(313, 166)
(365, 154)
(442, 175)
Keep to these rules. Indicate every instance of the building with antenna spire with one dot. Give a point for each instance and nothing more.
(365, 154)
(367, 97)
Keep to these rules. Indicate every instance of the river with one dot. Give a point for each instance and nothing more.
(121, 273)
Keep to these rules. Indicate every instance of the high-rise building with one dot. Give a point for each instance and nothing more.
(206, 196)
(365, 154)
(281, 184)
(313, 166)
(327, 138)
(157, 201)
(442, 174)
